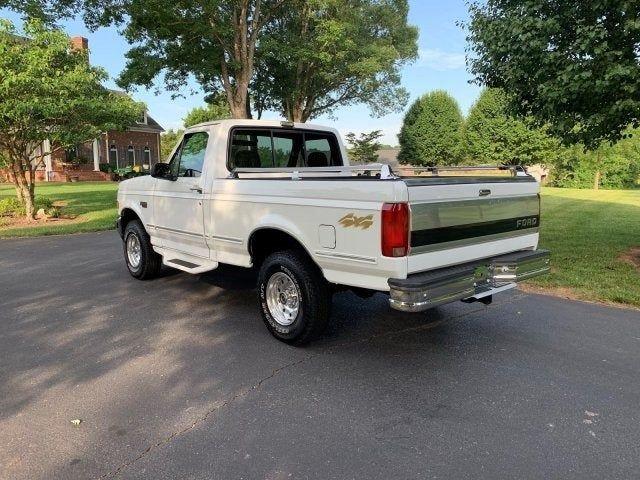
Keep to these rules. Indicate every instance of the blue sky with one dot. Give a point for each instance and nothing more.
(440, 66)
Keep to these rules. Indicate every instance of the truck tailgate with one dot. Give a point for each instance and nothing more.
(460, 219)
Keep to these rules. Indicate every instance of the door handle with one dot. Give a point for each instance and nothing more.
(484, 192)
(196, 189)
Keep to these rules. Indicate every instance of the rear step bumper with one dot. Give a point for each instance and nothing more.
(471, 281)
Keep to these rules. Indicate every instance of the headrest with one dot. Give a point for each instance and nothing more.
(317, 159)
(247, 159)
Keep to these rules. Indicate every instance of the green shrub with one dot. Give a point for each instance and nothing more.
(11, 206)
(43, 202)
(54, 212)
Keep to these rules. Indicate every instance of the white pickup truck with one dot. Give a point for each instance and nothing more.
(281, 197)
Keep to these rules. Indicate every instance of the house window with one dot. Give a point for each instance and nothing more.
(131, 155)
(113, 155)
(147, 156)
(71, 154)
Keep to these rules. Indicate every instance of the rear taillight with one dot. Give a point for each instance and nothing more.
(395, 229)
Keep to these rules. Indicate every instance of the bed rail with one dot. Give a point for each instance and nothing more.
(378, 170)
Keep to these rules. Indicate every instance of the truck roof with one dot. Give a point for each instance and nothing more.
(234, 122)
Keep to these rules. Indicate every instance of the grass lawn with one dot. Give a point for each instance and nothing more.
(93, 204)
(587, 231)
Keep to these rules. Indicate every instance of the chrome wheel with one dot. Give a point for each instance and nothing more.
(283, 298)
(134, 252)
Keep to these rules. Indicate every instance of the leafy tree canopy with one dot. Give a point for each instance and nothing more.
(322, 54)
(302, 58)
(48, 91)
(571, 64)
(609, 166)
(364, 148)
(430, 134)
(493, 136)
(216, 109)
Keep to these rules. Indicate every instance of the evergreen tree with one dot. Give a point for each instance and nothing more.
(430, 134)
(492, 136)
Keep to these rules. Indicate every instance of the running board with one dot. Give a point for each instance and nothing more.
(186, 263)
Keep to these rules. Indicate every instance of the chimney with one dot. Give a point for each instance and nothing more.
(79, 44)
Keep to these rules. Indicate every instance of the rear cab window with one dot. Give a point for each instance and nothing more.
(282, 148)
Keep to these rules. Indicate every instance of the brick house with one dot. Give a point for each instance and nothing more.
(138, 145)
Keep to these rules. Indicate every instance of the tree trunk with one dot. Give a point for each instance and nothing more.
(296, 112)
(598, 174)
(248, 106)
(238, 110)
(25, 191)
(238, 99)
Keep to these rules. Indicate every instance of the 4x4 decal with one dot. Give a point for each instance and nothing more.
(351, 220)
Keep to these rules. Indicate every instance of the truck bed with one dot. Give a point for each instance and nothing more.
(458, 214)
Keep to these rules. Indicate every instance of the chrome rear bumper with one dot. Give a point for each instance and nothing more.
(471, 281)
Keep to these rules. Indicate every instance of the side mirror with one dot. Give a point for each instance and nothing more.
(161, 170)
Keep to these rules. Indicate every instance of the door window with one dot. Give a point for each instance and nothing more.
(188, 161)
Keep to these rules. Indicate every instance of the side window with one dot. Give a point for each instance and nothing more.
(251, 149)
(287, 149)
(188, 160)
(322, 150)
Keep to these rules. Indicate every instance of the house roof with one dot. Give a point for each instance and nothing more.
(150, 126)
(153, 125)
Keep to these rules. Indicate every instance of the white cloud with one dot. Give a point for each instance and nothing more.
(439, 60)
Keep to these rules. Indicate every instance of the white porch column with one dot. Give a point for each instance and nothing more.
(96, 156)
(47, 160)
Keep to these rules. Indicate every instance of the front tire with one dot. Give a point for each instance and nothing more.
(142, 261)
(295, 299)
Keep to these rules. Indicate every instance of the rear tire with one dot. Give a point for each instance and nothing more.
(295, 299)
(142, 261)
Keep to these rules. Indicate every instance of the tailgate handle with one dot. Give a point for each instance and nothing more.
(484, 192)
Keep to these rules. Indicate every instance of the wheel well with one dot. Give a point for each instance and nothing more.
(126, 216)
(265, 241)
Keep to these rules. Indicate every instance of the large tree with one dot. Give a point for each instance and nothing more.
(573, 65)
(430, 133)
(213, 41)
(50, 99)
(300, 57)
(493, 136)
(322, 54)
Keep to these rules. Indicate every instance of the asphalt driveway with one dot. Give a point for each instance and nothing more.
(178, 378)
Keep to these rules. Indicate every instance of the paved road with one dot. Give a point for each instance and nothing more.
(178, 378)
